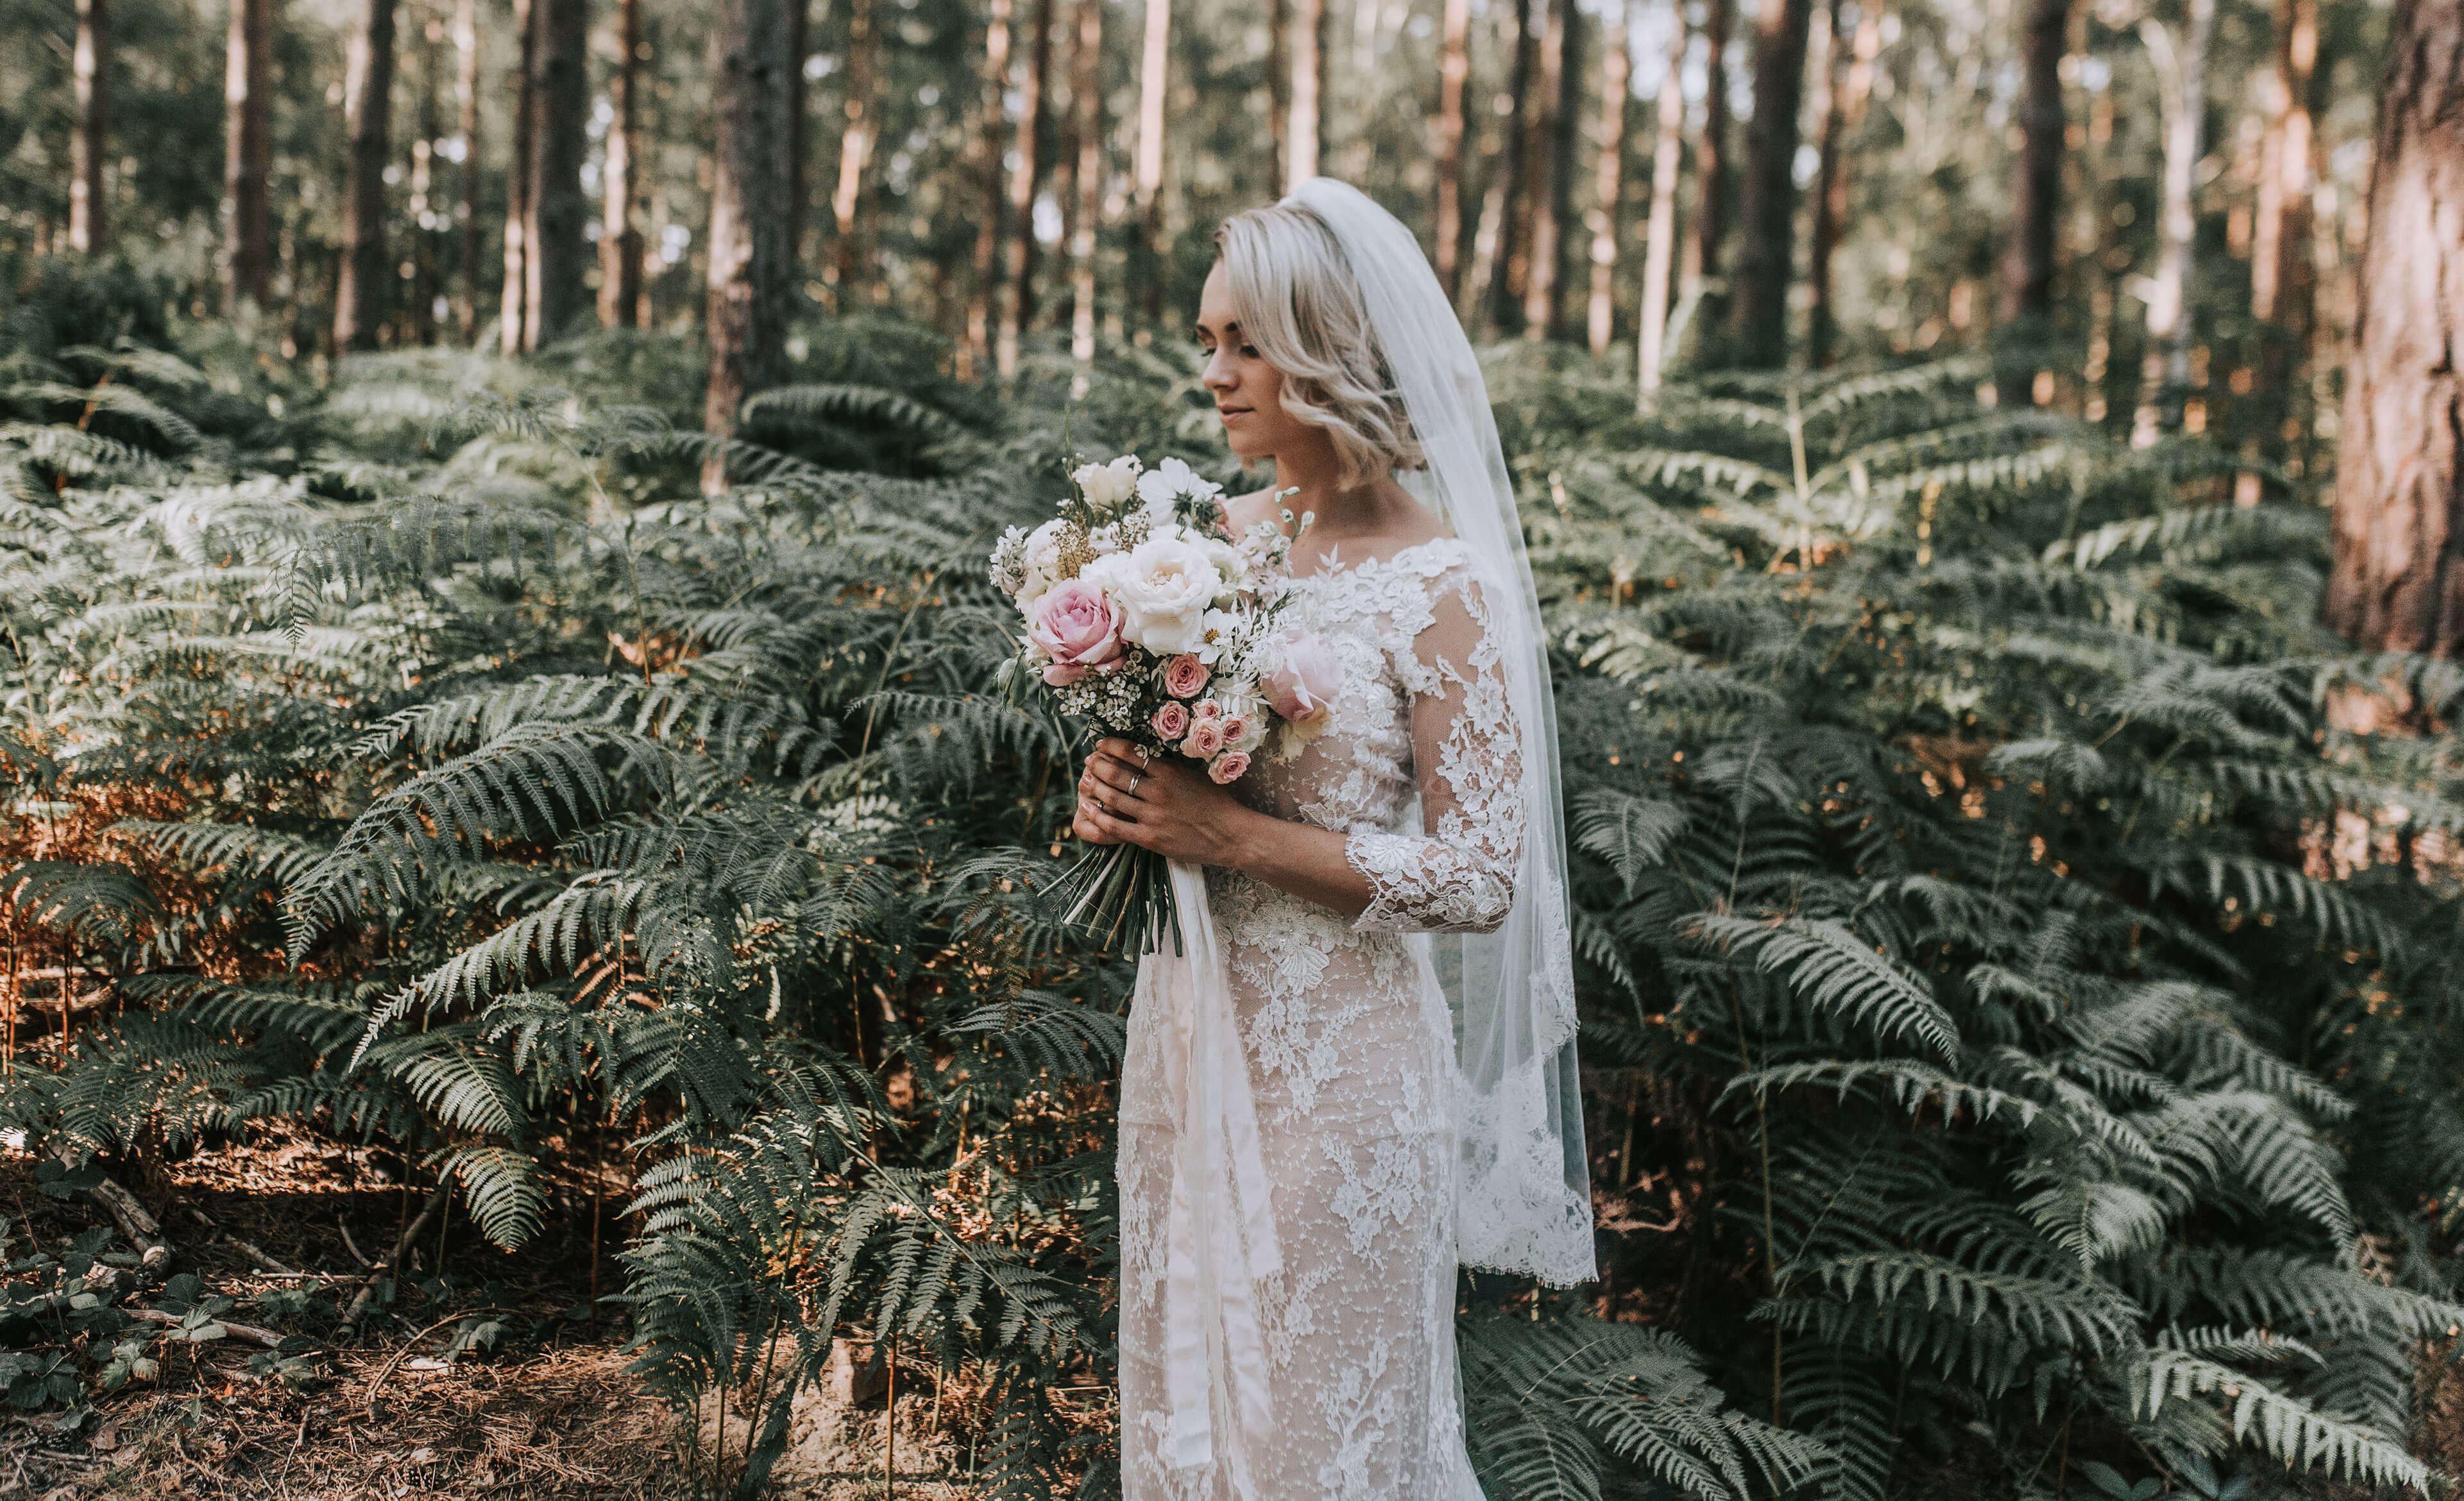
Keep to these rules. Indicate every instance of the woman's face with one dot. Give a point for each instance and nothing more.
(1245, 387)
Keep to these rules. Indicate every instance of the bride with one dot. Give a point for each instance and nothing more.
(1358, 1071)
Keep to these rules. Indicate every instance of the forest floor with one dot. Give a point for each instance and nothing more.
(551, 1412)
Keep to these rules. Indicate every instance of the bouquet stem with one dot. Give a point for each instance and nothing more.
(1121, 896)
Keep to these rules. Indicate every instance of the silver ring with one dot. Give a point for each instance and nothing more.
(1135, 778)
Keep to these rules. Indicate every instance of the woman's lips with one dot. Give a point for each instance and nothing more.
(1228, 413)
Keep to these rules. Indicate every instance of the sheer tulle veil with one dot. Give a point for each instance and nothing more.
(1523, 1198)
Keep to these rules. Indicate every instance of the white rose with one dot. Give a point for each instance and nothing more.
(1042, 561)
(1163, 586)
(1107, 485)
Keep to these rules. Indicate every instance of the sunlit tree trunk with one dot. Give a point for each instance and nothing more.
(1699, 272)
(620, 238)
(1308, 93)
(2398, 580)
(2182, 72)
(2283, 275)
(1086, 103)
(1492, 244)
(248, 152)
(1553, 202)
(1759, 319)
(2027, 264)
(1608, 175)
(557, 215)
(1027, 181)
(1447, 147)
(90, 144)
(1155, 84)
(466, 110)
(748, 220)
(1847, 91)
(853, 258)
(515, 301)
(983, 308)
(1659, 239)
(367, 93)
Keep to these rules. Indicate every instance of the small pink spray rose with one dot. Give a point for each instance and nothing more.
(1185, 677)
(1227, 767)
(1205, 740)
(1171, 720)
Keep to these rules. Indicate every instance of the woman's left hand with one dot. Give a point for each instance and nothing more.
(1165, 803)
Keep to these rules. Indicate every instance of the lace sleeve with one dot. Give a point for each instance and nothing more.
(1458, 874)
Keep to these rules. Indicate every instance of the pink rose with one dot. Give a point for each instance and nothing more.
(1077, 627)
(1170, 720)
(1205, 740)
(1184, 676)
(1304, 681)
(1208, 710)
(1234, 726)
(1227, 767)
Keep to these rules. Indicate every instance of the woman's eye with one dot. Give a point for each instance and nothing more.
(1249, 351)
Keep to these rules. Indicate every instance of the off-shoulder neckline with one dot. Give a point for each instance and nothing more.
(1366, 565)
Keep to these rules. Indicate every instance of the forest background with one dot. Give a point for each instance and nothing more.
(524, 967)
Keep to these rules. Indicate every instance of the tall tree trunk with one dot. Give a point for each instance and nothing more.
(2283, 275)
(2028, 262)
(620, 238)
(2398, 580)
(1492, 246)
(90, 146)
(247, 151)
(466, 104)
(426, 244)
(1027, 181)
(983, 308)
(1844, 109)
(1308, 93)
(1155, 84)
(1527, 203)
(1608, 176)
(2182, 69)
(1759, 319)
(1454, 81)
(1698, 275)
(748, 220)
(367, 93)
(1367, 90)
(1659, 239)
(1552, 206)
(1086, 105)
(800, 33)
(852, 253)
(516, 298)
(1278, 92)
(558, 214)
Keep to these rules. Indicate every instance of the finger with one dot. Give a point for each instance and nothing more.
(1084, 827)
(1111, 780)
(1112, 829)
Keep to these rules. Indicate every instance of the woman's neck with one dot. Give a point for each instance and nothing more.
(1341, 511)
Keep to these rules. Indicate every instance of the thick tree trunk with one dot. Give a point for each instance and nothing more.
(1608, 175)
(90, 145)
(748, 219)
(1659, 239)
(1698, 275)
(983, 308)
(1759, 319)
(367, 93)
(1033, 162)
(516, 290)
(2182, 69)
(558, 214)
(1552, 206)
(2027, 264)
(1086, 105)
(1307, 93)
(466, 102)
(1844, 108)
(1154, 82)
(1492, 245)
(851, 256)
(1454, 81)
(248, 152)
(620, 238)
(2398, 581)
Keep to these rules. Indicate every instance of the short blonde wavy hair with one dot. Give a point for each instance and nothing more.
(1300, 306)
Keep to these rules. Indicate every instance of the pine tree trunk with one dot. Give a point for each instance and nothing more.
(368, 95)
(2283, 275)
(983, 308)
(1279, 91)
(248, 152)
(1155, 84)
(1493, 245)
(515, 291)
(558, 215)
(1698, 278)
(1659, 239)
(1454, 81)
(1844, 110)
(1308, 93)
(466, 102)
(1608, 175)
(748, 219)
(2027, 264)
(1086, 105)
(1553, 204)
(1027, 181)
(619, 240)
(851, 253)
(2398, 580)
(1759, 319)
(90, 144)
(2182, 68)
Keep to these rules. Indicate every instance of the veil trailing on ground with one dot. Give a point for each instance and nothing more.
(1523, 1197)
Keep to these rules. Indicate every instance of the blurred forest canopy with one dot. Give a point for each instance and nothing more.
(497, 676)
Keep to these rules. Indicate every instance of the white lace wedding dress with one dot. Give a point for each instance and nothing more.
(1351, 1058)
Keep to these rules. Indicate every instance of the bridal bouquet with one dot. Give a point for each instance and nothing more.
(1147, 620)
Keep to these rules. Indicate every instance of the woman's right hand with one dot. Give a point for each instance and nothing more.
(1083, 823)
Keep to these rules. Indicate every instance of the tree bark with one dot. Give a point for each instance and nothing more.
(90, 144)
(620, 238)
(2283, 276)
(1759, 319)
(2028, 261)
(2182, 69)
(748, 221)
(1307, 93)
(1608, 176)
(1492, 245)
(1086, 105)
(1701, 271)
(1659, 240)
(852, 254)
(2398, 580)
(248, 152)
(466, 102)
(516, 290)
(1844, 109)
(983, 308)
(1552, 206)
(556, 212)
(367, 93)
(1453, 79)
(1154, 82)
(1026, 180)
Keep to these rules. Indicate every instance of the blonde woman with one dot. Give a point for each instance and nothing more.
(1359, 1073)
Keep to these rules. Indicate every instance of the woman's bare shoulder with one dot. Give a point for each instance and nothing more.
(1244, 512)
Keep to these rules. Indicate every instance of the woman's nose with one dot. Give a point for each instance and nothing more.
(1215, 377)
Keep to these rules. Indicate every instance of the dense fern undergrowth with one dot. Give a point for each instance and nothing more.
(2014, 938)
